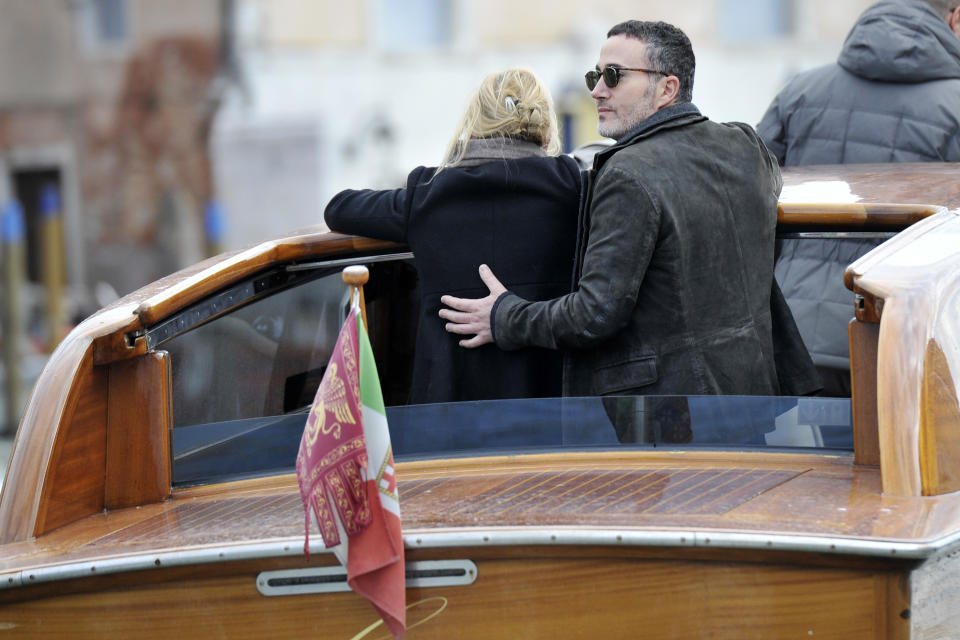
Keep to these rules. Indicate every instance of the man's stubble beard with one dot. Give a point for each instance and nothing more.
(643, 109)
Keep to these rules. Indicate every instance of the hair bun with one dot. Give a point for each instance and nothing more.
(508, 104)
(533, 117)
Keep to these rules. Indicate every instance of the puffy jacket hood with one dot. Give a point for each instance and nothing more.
(901, 42)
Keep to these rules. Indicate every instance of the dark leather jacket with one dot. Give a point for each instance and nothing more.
(675, 266)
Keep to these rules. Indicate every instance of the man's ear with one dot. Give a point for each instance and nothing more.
(667, 91)
(953, 20)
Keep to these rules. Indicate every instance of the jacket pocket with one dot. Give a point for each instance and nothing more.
(623, 376)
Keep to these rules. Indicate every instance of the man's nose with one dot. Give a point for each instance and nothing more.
(600, 91)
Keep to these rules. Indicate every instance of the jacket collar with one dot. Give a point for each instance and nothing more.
(675, 115)
(482, 150)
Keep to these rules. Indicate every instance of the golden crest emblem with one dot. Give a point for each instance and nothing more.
(332, 397)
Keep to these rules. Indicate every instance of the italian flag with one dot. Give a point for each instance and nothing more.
(346, 474)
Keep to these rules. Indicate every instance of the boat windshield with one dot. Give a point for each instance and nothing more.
(243, 382)
(233, 449)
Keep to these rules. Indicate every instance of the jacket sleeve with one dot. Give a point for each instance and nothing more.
(768, 158)
(373, 213)
(623, 229)
(771, 130)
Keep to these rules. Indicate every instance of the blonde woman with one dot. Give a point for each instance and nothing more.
(503, 196)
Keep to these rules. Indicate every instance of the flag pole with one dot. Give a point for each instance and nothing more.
(356, 276)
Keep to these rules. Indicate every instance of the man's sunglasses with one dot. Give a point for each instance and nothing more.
(611, 76)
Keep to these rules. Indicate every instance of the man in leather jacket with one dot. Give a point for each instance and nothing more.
(674, 263)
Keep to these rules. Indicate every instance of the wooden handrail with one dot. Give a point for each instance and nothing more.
(878, 216)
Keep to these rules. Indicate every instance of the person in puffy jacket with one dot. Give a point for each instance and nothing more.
(892, 96)
(503, 196)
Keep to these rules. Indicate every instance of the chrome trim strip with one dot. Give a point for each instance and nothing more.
(825, 235)
(10, 580)
(144, 562)
(334, 579)
(497, 538)
(324, 264)
(719, 540)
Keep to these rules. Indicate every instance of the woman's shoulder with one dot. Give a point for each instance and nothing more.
(570, 164)
(420, 176)
(541, 172)
(563, 166)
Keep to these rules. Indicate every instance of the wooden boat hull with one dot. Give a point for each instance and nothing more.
(562, 592)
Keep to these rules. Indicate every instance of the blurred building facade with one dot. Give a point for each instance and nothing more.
(110, 102)
(106, 108)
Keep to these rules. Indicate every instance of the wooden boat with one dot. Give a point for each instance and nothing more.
(150, 493)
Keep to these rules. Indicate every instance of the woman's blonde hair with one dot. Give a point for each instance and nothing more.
(508, 104)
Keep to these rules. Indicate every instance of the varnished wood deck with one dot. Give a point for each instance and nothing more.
(765, 501)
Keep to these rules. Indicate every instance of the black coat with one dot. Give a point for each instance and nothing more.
(518, 216)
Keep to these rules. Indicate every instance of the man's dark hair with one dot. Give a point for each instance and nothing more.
(668, 50)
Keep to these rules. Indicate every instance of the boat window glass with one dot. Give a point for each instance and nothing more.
(242, 448)
(257, 367)
(260, 360)
(242, 385)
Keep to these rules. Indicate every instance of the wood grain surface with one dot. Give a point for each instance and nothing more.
(138, 432)
(532, 597)
(915, 279)
(763, 493)
(899, 183)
